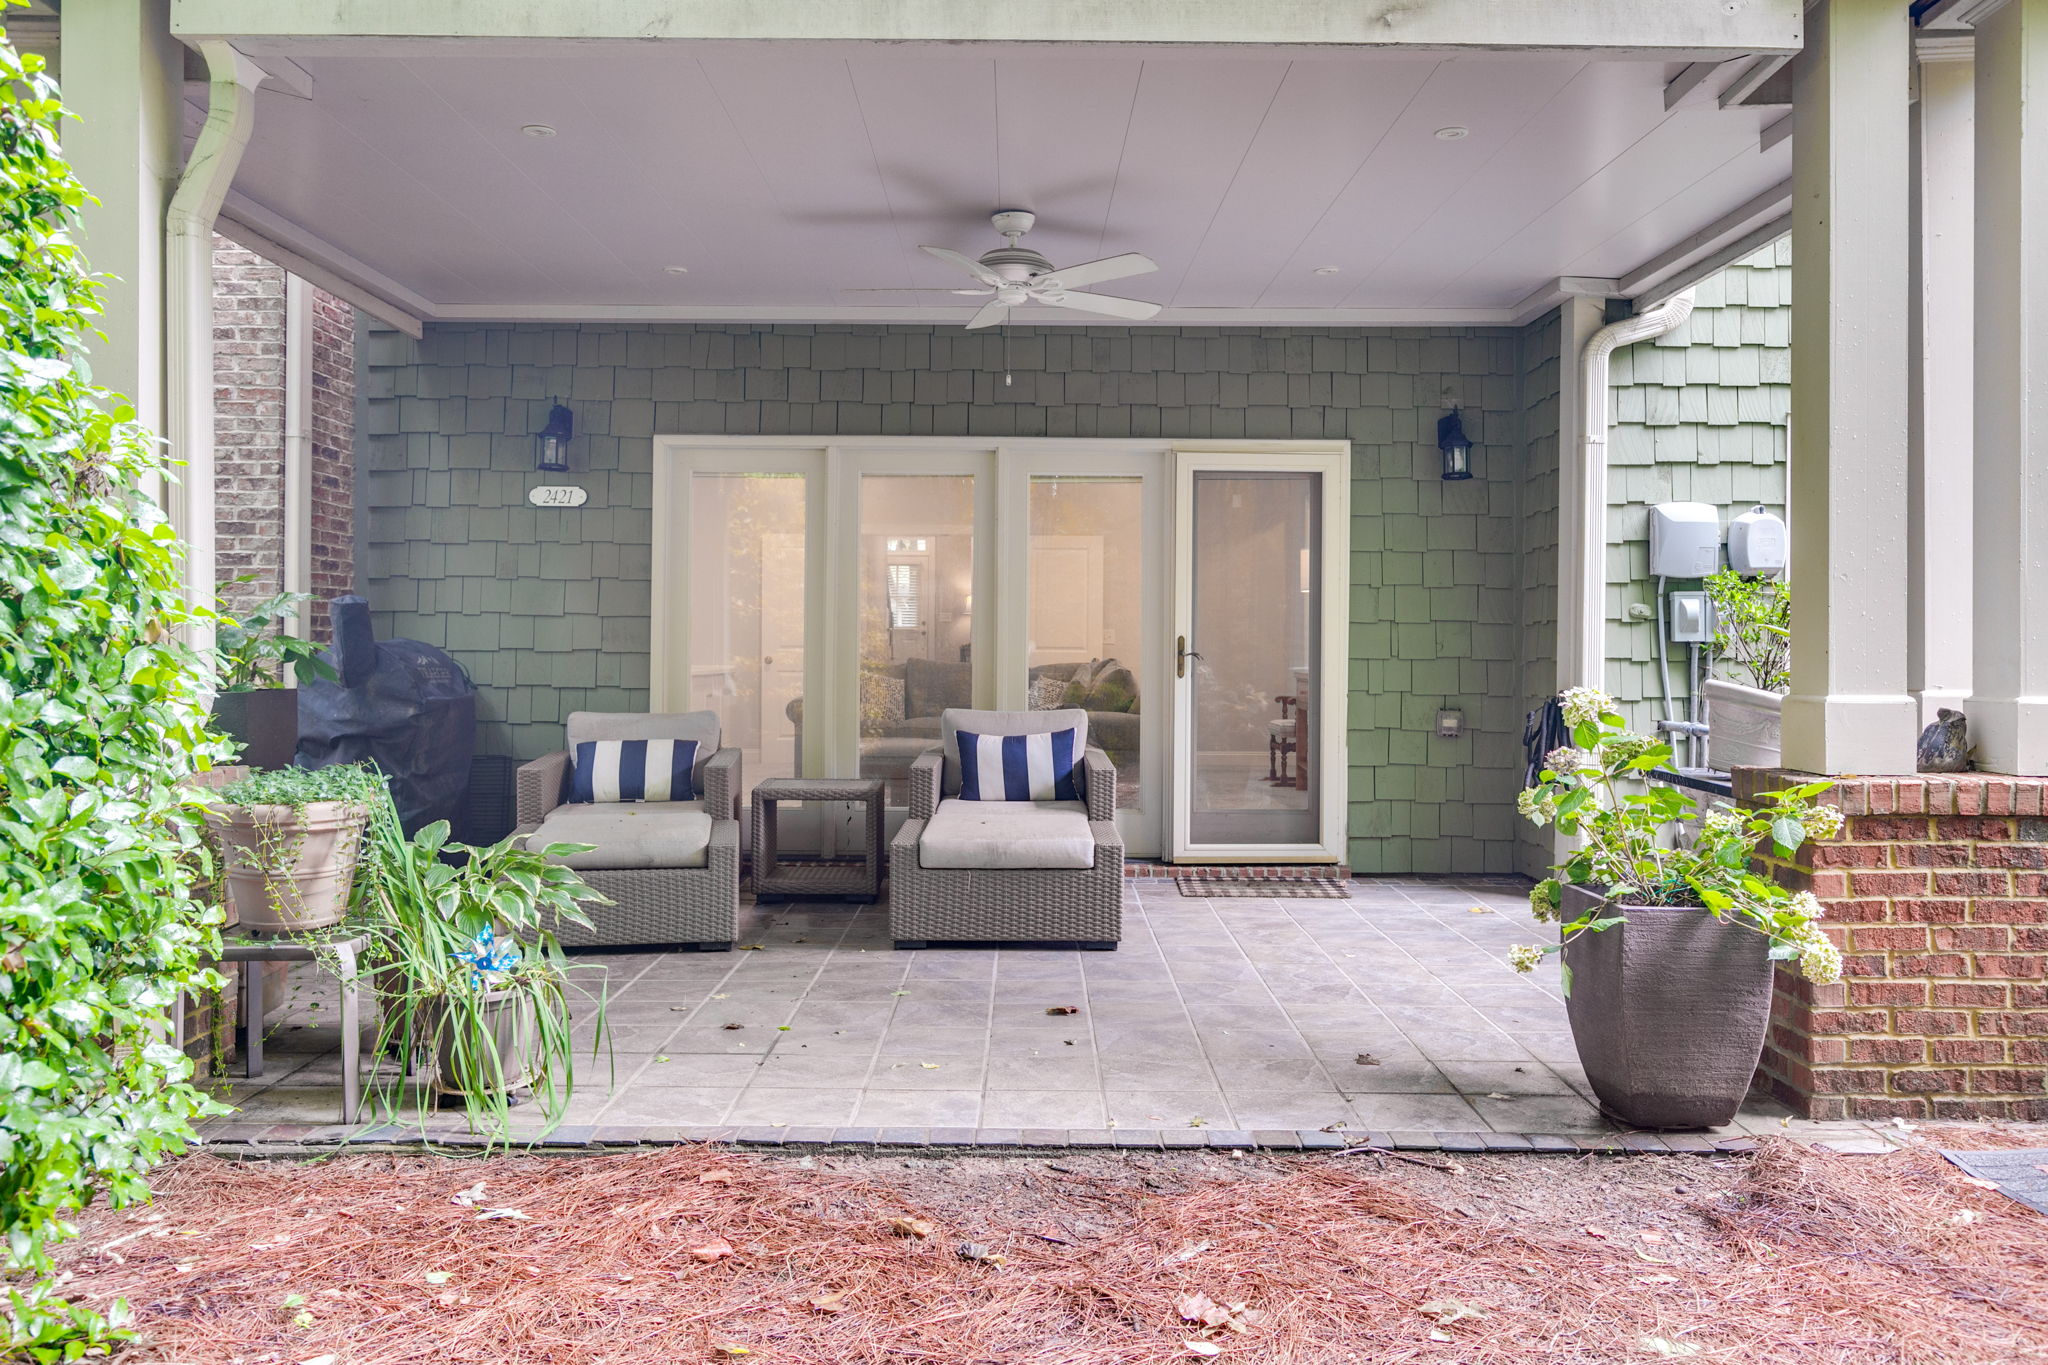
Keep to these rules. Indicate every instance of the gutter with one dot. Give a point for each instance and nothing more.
(297, 576)
(1582, 650)
(188, 313)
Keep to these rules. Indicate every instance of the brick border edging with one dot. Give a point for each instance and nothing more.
(296, 1139)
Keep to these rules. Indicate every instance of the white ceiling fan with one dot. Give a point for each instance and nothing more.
(1014, 274)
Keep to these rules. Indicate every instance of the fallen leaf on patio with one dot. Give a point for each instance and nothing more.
(1201, 1348)
(437, 1276)
(1596, 1232)
(1664, 1346)
(1477, 910)
(751, 947)
(929, 1066)
(1063, 1009)
(717, 1249)
(1366, 1059)
(661, 1059)
(1187, 1253)
(1497, 1095)
(720, 996)
(293, 1301)
(830, 1303)
(910, 1227)
(495, 1215)
(899, 992)
(975, 1251)
(1448, 1311)
(682, 1009)
(782, 1028)
(1198, 1122)
(715, 1178)
(731, 1348)
(473, 1195)
(733, 1026)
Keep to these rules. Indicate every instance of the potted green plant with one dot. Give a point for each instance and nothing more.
(254, 707)
(1752, 643)
(1668, 949)
(467, 967)
(290, 842)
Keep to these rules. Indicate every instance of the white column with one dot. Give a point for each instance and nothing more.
(1849, 710)
(1581, 538)
(1938, 622)
(2009, 716)
(123, 78)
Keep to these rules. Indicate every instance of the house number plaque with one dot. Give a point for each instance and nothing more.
(557, 495)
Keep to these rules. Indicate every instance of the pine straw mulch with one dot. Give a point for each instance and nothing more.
(708, 1255)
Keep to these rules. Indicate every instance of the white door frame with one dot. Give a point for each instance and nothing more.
(1330, 459)
(1003, 470)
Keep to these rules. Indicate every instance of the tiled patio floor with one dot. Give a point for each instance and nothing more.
(1392, 1010)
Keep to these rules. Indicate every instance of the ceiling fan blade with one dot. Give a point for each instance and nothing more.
(966, 263)
(1101, 303)
(1108, 268)
(989, 315)
(925, 289)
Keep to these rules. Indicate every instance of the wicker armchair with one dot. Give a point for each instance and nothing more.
(686, 906)
(1081, 906)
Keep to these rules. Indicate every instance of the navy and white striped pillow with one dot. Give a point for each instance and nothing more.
(633, 770)
(1019, 767)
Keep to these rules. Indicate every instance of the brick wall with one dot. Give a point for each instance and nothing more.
(552, 616)
(249, 432)
(248, 424)
(1937, 894)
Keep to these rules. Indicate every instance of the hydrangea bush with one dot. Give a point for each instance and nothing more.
(101, 722)
(1629, 851)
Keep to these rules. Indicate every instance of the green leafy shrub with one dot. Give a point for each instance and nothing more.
(1753, 628)
(100, 722)
(252, 650)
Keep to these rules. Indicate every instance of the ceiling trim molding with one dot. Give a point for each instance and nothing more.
(927, 316)
(282, 242)
(1755, 223)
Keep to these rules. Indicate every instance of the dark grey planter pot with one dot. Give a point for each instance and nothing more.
(1669, 1009)
(265, 723)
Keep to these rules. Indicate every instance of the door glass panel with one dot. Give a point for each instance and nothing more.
(1085, 597)
(747, 615)
(1257, 543)
(916, 616)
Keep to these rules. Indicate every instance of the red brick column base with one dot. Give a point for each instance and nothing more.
(1937, 894)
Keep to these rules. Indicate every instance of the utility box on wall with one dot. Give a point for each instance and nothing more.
(1685, 540)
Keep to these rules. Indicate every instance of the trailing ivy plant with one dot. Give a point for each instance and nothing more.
(101, 721)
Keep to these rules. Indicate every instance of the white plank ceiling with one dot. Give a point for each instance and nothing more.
(782, 176)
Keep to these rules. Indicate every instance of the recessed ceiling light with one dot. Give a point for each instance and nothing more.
(1452, 133)
(675, 270)
(1328, 269)
(547, 130)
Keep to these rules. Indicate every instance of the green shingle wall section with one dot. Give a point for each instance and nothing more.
(1542, 372)
(549, 611)
(1698, 415)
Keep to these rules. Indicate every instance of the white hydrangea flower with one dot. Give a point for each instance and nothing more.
(1545, 898)
(1566, 760)
(1824, 822)
(1808, 904)
(1585, 705)
(1524, 958)
(1724, 820)
(1537, 806)
(1820, 961)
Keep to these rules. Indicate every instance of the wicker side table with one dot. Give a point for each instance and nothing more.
(776, 874)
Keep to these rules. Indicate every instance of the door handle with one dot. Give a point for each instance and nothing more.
(1181, 655)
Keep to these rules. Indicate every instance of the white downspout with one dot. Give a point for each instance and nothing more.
(298, 446)
(188, 312)
(1582, 655)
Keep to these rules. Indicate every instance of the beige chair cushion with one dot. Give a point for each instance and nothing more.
(701, 726)
(1006, 723)
(1007, 834)
(639, 834)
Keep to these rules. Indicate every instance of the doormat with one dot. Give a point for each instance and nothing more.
(1210, 884)
(2020, 1174)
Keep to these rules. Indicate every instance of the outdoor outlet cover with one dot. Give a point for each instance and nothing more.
(1450, 724)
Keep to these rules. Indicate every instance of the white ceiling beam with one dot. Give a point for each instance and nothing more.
(1704, 27)
(1753, 86)
(1755, 223)
(1771, 134)
(1687, 81)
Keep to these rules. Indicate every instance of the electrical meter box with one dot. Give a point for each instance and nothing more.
(1685, 540)
(1756, 544)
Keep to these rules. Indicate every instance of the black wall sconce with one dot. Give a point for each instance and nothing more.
(551, 442)
(1455, 445)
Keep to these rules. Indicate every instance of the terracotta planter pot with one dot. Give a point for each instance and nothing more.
(1743, 725)
(322, 841)
(1669, 1010)
(265, 723)
(507, 1018)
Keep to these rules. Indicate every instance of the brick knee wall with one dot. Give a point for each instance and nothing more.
(1937, 894)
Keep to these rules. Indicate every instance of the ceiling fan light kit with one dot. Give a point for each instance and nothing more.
(1013, 275)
